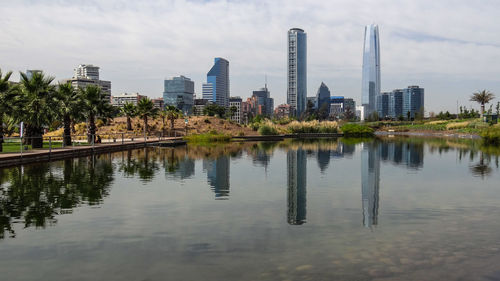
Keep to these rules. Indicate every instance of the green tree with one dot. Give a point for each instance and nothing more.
(214, 109)
(130, 111)
(36, 107)
(5, 98)
(69, 106)
(482, 97)
(95, 104)
(172, 113)
(232, 110)
(145, 110)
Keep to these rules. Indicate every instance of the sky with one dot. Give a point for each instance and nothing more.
(449, 47)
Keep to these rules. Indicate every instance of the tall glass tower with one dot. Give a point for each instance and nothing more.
(216, 89)
(370, 87)
(297, 71)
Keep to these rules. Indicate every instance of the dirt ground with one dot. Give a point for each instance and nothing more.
(195, 125)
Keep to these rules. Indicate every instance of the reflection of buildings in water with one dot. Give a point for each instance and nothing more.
(296, 181)
(409, 154)
(183, 170)
(323, 157)
(370, 179)
(218, 175)
(261, 158)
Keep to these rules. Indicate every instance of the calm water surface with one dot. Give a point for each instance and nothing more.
(393, 209)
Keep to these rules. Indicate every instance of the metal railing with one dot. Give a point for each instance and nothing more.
(14, 145)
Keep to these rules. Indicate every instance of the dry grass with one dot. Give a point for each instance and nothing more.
(457, 125)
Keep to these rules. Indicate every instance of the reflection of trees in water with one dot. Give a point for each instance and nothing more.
(482, 167)
(35, 194)
(140, 162)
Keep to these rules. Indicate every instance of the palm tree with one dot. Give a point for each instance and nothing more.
(95, 104)
(69, 105)
(163, 116)
(5, 97)
(36, 107)
(146, 109)
(130, 111)
(482, 97)
(172, 113)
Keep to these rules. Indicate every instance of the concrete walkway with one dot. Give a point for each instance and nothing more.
(38, 155)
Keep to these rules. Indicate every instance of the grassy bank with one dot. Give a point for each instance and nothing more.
(207, 138)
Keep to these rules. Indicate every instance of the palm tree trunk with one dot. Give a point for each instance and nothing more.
(129, 124)
(1, 132)
(482, 110)
(91, 131)
(67, 130)
(145, 125)
(36, 137)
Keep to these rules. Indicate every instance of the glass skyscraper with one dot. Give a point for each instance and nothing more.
(216, 90)
(297, 71)
(179, 92)
(370, 87)
(323, 97)
(413, 102)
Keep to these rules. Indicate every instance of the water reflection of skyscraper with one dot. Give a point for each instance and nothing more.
(296, 182)
(218, 175)
(370, 179)
(409, 154)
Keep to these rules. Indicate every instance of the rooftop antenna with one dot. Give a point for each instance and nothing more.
(265, 81)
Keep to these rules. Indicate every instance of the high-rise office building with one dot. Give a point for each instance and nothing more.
(236, 102)
(216, 90)
(396, 104)
(297, 71)
(179, 92)
(87, 74)
(263, 103)
(383, 105)
(87, 71)
(413, 102)
(323, 97)
(370, 87)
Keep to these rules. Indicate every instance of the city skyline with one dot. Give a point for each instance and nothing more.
(444, 54)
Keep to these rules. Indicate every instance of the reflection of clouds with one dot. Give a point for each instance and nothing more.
(296, 182)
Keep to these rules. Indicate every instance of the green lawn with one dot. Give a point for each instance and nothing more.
(10, 147)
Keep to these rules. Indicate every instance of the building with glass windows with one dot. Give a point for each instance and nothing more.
(179, 92)
(383, 105)
(297, 71)
(236, 102)
(216, 90)
(413, 102)
(323, 97)
(370, 84)
(396, 104)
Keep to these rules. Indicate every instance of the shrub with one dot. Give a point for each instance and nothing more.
(296, 127)
(207, 121)
(267, 130)
(241, 133)
(210, 137)
(356, 130)
(254, 126)
(491, 136)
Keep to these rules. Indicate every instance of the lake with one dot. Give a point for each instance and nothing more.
(343, 209)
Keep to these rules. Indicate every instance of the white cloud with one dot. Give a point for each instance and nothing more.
(448, 47)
